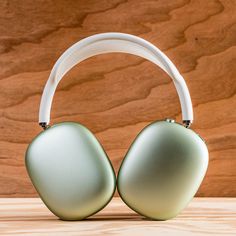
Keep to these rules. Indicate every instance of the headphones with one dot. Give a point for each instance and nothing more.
(160, 173)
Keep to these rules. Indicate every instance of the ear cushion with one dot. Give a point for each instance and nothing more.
(162, 170)
(70, 171)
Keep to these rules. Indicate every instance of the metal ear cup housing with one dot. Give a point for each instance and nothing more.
(162, 170)
(70, 171)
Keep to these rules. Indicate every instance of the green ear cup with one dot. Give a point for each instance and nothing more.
(70, 171)
(162, 170)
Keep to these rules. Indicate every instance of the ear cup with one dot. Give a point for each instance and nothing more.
(162, 170)
(70, 171)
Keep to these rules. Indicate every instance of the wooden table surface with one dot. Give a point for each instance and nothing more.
(203, 216)
(117, 95)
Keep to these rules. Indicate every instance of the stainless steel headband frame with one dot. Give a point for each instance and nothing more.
(108, 43)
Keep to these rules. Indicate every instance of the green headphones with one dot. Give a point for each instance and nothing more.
(161, 171)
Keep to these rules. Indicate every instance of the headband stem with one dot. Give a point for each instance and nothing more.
(44, 125)
(187, 123)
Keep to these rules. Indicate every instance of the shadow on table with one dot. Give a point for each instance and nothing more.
(98, 217)
(116, 217)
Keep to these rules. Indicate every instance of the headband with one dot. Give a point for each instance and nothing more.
(108, 43)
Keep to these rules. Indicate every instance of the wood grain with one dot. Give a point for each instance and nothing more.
(116, 95)
(203, 216)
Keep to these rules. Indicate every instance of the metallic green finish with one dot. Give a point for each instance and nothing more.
(162, 170)
(70, 171)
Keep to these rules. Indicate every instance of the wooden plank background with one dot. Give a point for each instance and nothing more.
(116, 95)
